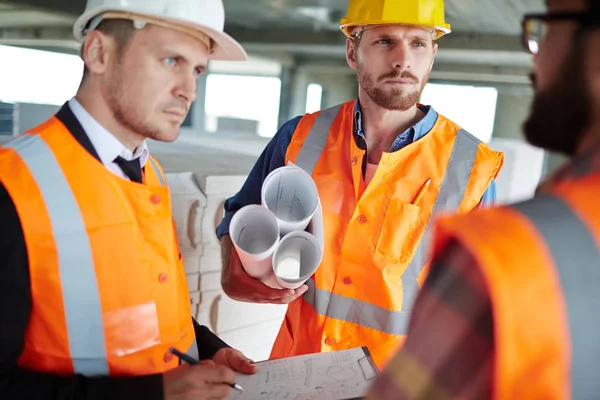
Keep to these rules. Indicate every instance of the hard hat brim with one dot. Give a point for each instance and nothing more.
(226, 48)
(348, 27)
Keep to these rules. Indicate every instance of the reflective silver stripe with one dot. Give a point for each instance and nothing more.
(577, 260)
(157, 171)
(356, 311)
(316, 140)
(458, 172)
(81, 298)
(449, 198)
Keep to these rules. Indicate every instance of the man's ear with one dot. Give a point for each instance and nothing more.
(96, 51)
(351, 54)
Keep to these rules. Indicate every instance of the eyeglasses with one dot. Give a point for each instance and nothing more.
(535, 26)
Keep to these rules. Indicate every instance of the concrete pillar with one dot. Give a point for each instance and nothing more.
(287, 77)
(511, 111)
(198, 112)
(300, 84)
(338, 88)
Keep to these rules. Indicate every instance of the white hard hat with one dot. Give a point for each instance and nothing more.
(203, 17)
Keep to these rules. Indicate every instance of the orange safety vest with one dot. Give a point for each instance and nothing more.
(363, 292)
(109, 292)
(541, 263)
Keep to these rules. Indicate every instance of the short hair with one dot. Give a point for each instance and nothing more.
(120, 29)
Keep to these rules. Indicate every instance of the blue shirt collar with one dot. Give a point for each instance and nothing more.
(412, 134)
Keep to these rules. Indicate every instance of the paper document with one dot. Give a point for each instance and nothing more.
(340, 375)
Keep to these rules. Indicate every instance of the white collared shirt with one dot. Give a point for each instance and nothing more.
(106, 144)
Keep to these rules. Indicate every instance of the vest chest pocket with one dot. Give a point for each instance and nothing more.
(398, 235)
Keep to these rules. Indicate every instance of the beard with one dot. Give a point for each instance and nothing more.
(127, 111)
(561, 112)
(396, 99)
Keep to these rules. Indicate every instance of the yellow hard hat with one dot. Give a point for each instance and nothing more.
(424, 13)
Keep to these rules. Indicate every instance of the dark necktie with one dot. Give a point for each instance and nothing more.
(130, 168)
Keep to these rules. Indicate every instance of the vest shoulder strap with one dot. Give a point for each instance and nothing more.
(158, 171)
(315, 142)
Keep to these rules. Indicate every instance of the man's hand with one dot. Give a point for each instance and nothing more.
(240, 286)
(235, 360)
(198, 382)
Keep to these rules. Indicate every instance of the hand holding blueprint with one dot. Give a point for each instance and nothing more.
(341, 375)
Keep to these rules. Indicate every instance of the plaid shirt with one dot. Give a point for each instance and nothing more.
(449, 351)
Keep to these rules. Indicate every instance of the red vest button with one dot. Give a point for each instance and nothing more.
(347, 280)
(162, 278)
(354, 160)
(329, 342)
(362, 219)
(155, 199)
(168, 357)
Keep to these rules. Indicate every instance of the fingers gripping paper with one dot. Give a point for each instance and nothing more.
(341, 375)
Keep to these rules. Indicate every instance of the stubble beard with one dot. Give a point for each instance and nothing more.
(396, 99)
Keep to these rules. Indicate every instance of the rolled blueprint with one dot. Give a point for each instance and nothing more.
(315, 226)
(291, 194)
(296, 258)
(255, 234)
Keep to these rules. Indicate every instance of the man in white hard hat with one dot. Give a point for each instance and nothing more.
(94, 294)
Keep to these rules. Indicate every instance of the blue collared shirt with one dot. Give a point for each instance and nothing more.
(273, 157)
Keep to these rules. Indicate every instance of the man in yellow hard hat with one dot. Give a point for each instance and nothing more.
(383, 165)
(93, 292)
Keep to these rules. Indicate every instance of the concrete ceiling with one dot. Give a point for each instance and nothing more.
(473, 16)
(485, 32)
(280, 23)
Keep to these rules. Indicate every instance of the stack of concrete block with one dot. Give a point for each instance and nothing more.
(197, 202)
(188, 204)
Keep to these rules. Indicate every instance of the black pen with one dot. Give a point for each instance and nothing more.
(191, 360)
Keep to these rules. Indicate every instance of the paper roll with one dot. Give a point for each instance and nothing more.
(255, 235)
(297, 257)
(291, 194)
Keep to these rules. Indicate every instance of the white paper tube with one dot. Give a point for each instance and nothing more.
(296, 247)
(255, 234)
(291, 194)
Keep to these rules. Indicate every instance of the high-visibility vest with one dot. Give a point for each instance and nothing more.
(541, 263)
(109, 292)
(363, 292)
